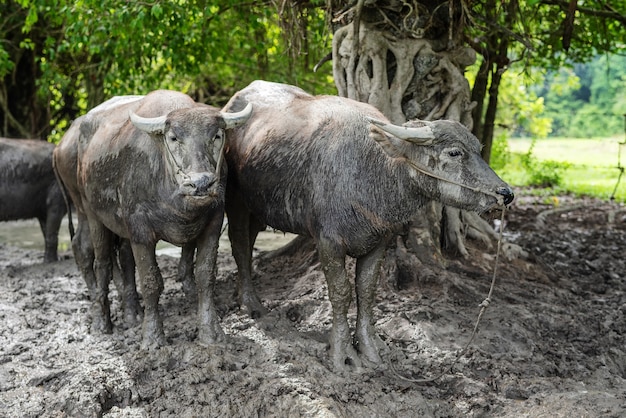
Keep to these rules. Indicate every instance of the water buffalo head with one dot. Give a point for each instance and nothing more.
(192, 140)
(449, 155)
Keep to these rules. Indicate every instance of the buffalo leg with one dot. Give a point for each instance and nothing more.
(101, 239)
(209, 329)
(84, 256)
(151, 288)
(185, 270)
(333, 263)
(50, 229)
(242, 232)
(54, 216)
(126, 286)
(367, 274)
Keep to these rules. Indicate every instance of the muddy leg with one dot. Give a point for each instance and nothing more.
(242, 232)
(185, 270)
(50, 229)
(101, 239)
(333, 262)
(83, 254)
(367, 273)
(127, 287)
(151, 288)
(209, 329)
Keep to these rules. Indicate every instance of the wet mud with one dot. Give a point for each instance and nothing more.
(552, 343)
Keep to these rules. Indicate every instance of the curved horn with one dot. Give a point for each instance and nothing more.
(149, 125)
(422, 135)
(235, 119)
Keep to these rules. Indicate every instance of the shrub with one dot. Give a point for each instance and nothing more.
(500, 152)
(546, 173)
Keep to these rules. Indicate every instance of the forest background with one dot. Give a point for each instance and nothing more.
(555, 69)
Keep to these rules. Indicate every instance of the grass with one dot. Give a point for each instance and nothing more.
(589, 166)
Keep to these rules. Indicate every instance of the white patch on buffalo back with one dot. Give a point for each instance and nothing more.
(114, 102)
(268, 95)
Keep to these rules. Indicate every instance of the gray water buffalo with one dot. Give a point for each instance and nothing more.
(29, 189)
(147, 169)
(334, 169)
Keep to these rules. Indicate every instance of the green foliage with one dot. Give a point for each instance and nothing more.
(520, 110)
(86, 51)
(543, 173)
(91, 50)
(500, 152)
(587, 100)
(582, 101)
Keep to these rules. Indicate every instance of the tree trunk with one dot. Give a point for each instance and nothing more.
(479, 92)
(22, 114)
(490, 114)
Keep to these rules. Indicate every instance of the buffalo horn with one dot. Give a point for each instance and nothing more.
(150, 125)
(235, 119)
(420, 135)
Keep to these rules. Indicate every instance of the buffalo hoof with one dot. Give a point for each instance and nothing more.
(133, 312)
(101, 325)
(253, 306)
(370, 347)
(346, 360)
(153, 335)
(153, 341)
(100, 319)
(132, 317)
(209, 334)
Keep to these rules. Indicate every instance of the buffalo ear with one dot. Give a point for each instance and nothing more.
(149, 125)
(422, 135)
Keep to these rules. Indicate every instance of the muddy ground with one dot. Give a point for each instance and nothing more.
(551, 344)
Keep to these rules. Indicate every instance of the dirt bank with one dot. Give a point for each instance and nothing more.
(551, 344)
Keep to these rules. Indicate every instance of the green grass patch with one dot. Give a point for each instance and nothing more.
(590, 165)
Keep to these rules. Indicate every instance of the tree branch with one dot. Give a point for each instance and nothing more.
(611, 13)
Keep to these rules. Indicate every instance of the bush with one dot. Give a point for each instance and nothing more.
(546, 173)
(500, 152)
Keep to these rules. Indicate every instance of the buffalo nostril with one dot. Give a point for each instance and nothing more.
(189, 185)
(507, 193)
(199, 184)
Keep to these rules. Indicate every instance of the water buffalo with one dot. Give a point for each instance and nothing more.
(147, 169)
(335, 170)
(28, 188)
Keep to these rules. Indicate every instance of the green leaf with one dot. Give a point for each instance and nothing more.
(157, 10)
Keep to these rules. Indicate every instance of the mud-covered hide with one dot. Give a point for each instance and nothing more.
(144, 169)
(330, 168)
(28, 188)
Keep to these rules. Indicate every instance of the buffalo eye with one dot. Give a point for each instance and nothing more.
(218, 139)
(172, 137)
(455, 153)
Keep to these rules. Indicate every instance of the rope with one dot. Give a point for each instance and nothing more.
(499, 198)
(619, 163)
(179, 169)
(485, 303)
(483, 307)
